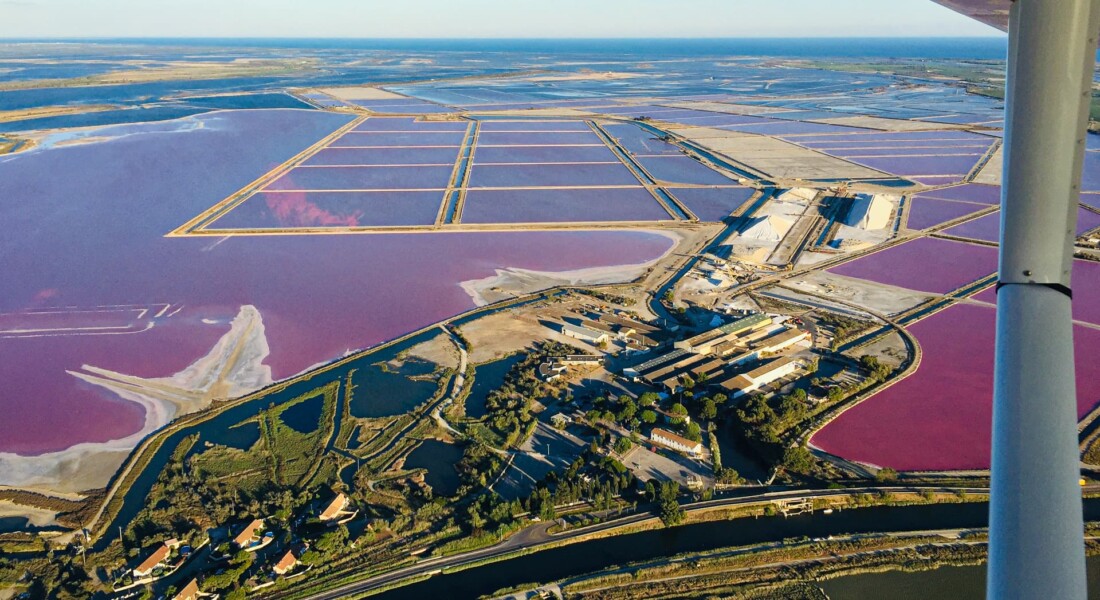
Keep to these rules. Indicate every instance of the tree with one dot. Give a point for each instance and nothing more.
(476, 520)
(719, 399)
(678, 412)
(687, 382)
(728, 476)
(648, 399)
(835, 393)
(877, 370)
(709, 410)
(693, 432)
(623, 445)
(627, 410)
(756, 411)
(649, 417)
(886, 475)
(670, 511)
(798, 459)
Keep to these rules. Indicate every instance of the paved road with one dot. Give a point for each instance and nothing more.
(538, 535)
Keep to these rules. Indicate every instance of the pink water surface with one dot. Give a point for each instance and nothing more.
(925, 264)
(929, 212)
(97, 237)
(939, 418)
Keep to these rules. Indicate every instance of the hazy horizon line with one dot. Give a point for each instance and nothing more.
(996, 35)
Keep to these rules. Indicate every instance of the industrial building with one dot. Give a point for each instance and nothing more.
(655, 362)
(780, 341)
(584, 334)
(759, 377)
(705, 342)
(675, 442)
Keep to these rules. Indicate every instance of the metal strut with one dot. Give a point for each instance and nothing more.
(1036, 541)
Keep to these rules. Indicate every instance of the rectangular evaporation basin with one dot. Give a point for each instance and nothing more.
(561, 206)
(518, 126)
(902, 151)
(294, 210)
(722, 121)
(929, 212)
(409, 124)
(1090, 176)
(954, 145)
(898, 136)
(988, 228)
(973, 192)
(637, 141)
(644, 110)
(925, 264)
(581, 175)
(383, 156)
(682, 169)
(790, 128)
(399, 139)
(364, 178)
(537, 138)
(923, 165)
(544, 154)
(712, 204)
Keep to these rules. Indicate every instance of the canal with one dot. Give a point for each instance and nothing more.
(585, 557)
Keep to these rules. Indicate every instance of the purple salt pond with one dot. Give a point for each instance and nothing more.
(906, 151)
(929, 212)
(592, 174)
(96, 237)
(936, 180)
(681, 169)
(525, 126)
(720, 121)
(1090, 176)
(988, 228)
(924, 264)
(291, 210)
(1085, 281)
(923, 165)
(364, 178)
(538, 138)
(780, 127)
(383, 156)
(409, 124)
(897, 136)
(640, 142)
(399, 138)
(553, 206)
(543, 154)
(939, 417)
(712, 204)
(1092, 200)
(971, 192)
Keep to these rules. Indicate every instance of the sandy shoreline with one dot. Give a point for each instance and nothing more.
(232, 368)
(512, 282)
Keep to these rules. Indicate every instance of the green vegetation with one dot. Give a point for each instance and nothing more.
(607, 297)
(876, 370)
(670, 511)
(508, 421)
(843, 327)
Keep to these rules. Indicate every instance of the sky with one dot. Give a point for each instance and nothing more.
(482, 18)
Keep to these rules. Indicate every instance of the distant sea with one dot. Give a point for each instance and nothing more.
(969, 48)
